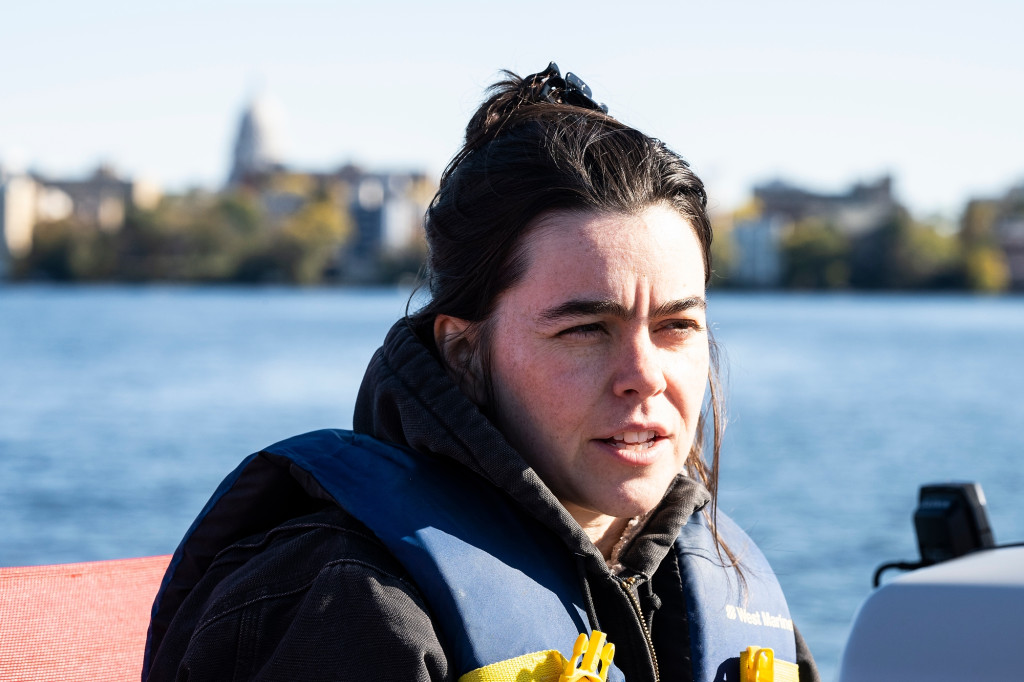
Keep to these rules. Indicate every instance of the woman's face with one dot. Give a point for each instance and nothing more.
(599, 357)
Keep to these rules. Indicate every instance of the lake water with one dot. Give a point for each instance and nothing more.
(122, 408)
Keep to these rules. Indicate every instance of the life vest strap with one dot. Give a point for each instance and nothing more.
(591, 658)
(540, 666)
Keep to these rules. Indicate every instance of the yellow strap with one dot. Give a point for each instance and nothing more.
(590, 662)
(760, 665)
(540, 666)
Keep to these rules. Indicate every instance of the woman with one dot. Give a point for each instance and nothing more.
(527, 464)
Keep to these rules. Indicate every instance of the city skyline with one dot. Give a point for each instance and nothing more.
(821, 97)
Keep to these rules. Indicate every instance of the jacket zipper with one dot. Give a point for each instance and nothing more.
(626, 584)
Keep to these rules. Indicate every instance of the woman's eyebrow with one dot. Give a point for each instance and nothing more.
(594, 307)
(680, 306)
(584, 308)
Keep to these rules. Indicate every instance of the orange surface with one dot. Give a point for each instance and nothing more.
(83, 621)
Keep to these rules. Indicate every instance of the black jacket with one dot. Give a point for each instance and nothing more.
(319, 598)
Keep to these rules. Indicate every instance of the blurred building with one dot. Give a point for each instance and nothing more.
(1013, 247)
(999, 222)
(386, 208)
(258, 143)
(757, 260)
(757, 240)
(855, 212)
(18, 207)
(104, 198)
(1010, 234)
(100, 201)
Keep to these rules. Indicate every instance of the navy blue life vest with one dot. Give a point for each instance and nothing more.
(499, 585)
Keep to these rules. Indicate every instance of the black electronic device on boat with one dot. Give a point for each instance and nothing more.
(951, 520)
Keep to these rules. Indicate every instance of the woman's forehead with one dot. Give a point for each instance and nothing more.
(642, 240)
(653, 255)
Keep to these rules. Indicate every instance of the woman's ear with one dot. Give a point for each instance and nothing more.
(457, 344)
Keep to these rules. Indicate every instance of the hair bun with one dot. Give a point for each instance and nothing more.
(544, 87)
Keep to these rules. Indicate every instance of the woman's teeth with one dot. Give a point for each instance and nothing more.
(638, 439)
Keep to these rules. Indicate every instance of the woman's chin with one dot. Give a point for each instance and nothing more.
(632, 504)
(621, 500)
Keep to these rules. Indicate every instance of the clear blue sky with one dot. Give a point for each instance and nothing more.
(820, 93)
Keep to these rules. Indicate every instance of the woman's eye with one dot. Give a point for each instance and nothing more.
(582, 330)
(683, 325)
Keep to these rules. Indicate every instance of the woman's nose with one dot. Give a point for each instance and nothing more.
(639, 370)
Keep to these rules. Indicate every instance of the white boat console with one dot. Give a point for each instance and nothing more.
(960, 620)
(959, 616)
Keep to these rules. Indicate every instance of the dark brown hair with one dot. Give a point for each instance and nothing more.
(524, 157)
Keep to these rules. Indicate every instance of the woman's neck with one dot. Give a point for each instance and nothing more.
(603, 530)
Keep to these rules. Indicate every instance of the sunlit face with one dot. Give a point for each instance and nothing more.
(599, 357)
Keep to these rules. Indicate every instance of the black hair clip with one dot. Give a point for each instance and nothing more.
(569, 90)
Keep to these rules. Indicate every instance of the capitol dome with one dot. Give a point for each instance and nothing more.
(258, 144)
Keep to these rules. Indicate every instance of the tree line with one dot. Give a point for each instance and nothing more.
(901, 253)
(233, 237)
(201, 237)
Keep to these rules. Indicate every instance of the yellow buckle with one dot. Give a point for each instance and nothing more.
(590, 649)
(760, 665)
